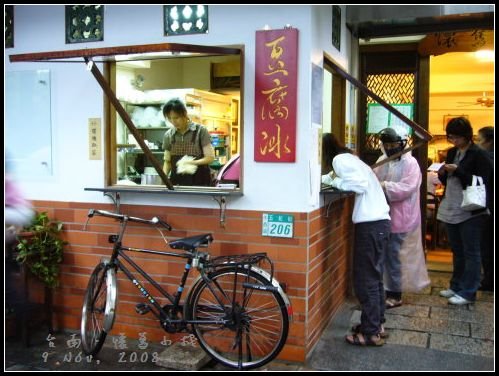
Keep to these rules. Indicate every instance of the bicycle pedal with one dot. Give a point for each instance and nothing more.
(142, 308)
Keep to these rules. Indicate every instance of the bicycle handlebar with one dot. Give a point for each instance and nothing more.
(122, 217)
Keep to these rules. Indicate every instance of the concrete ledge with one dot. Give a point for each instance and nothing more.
(183, 357)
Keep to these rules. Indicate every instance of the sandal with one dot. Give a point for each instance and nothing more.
(383, 334)
(392, 303)
(359, 339)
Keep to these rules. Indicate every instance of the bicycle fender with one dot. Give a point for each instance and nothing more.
(112, 292)
(277, 285)
(274, 282)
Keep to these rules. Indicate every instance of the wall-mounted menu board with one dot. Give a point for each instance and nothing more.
(379, 118)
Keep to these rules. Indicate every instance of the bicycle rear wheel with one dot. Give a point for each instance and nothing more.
(256, 320)
(98, 308)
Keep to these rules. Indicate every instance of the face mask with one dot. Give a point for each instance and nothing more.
(395, 150)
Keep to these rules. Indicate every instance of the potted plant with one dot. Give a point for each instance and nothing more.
(41, 247)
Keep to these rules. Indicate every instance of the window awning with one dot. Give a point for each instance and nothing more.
(135, 52)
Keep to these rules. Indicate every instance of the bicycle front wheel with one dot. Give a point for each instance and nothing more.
(98, 308)
(252, 324)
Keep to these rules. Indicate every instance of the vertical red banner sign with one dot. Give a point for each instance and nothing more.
(276, 73)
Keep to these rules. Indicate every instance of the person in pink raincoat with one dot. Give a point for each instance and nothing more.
(405, 268)
(18, 210)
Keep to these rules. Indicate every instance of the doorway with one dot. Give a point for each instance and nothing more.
(461, 84)
(436, 35)
(441, 87)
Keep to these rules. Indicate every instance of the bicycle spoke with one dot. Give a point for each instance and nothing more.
(222, 292)
(248, 344)
(248, 294)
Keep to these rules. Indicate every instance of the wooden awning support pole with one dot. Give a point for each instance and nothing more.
(126, 118)
(396, 155)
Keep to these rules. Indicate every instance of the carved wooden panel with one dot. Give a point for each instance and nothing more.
(84, 23)
(185, 19)
(393, 88)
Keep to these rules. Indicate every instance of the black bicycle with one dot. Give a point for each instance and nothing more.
(236, 308)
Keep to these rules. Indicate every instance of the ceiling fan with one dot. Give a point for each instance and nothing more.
(483, 101)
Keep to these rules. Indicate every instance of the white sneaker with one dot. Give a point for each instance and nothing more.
(447, 293)
(459, 300)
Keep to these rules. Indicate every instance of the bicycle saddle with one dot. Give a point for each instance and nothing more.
(192, 242)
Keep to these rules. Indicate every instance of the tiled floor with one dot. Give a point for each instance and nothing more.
(425, 333)
(439, 259)
(465, 329)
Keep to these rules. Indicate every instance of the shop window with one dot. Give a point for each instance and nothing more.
(333, 110)
(185, 19)
(84, 23)
(334, 103)
(143, 87)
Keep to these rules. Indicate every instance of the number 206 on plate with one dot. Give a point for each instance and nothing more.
(277, 225)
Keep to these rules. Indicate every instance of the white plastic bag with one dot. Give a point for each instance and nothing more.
(184, 167)
(474, 196)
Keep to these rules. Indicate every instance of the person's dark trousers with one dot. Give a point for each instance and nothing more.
(371, 241)
(15, 298)
(464, 240)
(393, 267)
(488, 254)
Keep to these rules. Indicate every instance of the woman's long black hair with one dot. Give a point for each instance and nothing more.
(331, 147)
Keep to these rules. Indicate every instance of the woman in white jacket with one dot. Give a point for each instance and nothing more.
(372, 228)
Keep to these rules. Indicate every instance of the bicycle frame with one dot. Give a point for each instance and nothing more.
(236, 308)
(119, 251)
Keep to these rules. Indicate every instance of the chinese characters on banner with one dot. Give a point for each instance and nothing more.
(94, 139)
(276, 71)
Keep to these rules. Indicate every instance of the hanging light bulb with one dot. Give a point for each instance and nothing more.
(485, 55)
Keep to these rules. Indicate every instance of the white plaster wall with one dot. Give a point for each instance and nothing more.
(76, 96)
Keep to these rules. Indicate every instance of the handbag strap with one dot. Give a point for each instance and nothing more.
(477, 180)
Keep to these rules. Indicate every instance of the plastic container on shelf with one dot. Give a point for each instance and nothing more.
(217, 140)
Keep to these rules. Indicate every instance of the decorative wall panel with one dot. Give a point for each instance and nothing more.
(84, 23)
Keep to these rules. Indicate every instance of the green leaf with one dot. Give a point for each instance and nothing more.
(42, 250)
